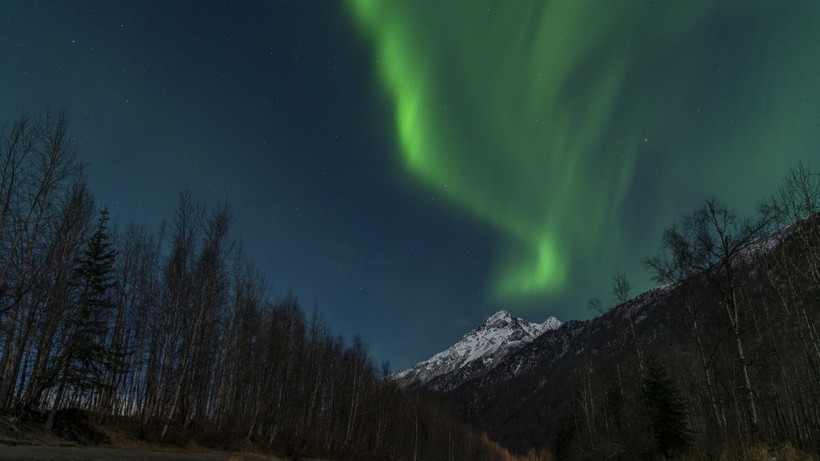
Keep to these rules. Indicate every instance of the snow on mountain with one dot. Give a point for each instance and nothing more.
(476, 353)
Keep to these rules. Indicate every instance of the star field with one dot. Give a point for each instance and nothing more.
(411, 169)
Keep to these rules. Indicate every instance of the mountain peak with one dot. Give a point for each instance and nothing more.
(551, 323)
(499, 316)
(476, 353)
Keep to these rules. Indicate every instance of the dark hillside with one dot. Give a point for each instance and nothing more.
(582, 382)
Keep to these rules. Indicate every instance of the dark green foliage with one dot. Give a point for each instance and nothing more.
(615, 405)
(563, 438)
(666, 413)
(88, 356)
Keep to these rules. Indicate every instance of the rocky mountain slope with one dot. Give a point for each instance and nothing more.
(478, 352)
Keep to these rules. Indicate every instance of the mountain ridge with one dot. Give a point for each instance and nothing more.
(570, 375)
(476, 353)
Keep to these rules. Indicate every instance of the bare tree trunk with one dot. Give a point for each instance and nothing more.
(707, 374)
(416, 430)
(732, 311)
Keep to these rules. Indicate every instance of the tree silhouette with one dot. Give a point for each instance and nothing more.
(665, 408)
(90, 356)
(87, 356)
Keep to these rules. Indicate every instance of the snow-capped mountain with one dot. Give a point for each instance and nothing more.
(478, 352)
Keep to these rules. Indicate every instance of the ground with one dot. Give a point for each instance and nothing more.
(40, 453)
(78, 437)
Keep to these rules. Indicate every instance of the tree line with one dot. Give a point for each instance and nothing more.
(176, 332)
(720, 361)
(725, 356)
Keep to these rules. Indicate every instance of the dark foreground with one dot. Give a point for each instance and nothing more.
(32, 453)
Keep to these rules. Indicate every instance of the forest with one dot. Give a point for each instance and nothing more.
(174, 335)
(174, 332)
(720, 361)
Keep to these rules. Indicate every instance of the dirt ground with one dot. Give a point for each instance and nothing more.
(78, 437)
(32, 453)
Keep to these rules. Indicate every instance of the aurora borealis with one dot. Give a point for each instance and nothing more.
(409, 168)
(536, 117)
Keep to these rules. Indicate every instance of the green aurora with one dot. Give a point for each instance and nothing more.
(580, 129)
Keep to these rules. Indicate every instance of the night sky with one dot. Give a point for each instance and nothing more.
(411, 167)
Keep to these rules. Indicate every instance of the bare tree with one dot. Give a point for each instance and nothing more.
(713, 242)
(38, 168)
(622, 290)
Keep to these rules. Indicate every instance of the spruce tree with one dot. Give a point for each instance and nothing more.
(87, 355)
(665, 408)
(563, 439)
(95, 280)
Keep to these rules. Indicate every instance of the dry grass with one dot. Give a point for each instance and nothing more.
(759, 452)
(26, 439)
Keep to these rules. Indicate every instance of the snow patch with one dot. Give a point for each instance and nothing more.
(493, 341)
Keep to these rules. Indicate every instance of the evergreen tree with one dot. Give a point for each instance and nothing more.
(665, 408)
(563, 439)
(87, 355)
